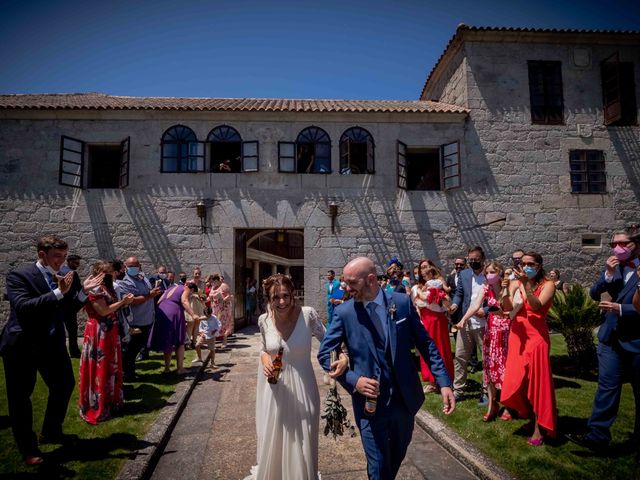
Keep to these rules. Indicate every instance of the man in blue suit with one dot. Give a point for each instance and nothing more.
(33, 341)
(380, 329)
(619, 342)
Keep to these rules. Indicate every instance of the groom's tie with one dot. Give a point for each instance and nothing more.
(375, 319)
(52, 284)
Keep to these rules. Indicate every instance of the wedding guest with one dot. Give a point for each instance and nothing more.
(528, 383)
(220, 297)
(434, 302)
(496, 335)
(332, 284)
(293, 400)
(169, 330)
(554, 276)
(618, 340)
(208, 329)
(71, 317)
(100, 379)
(197, 279)
(394, 273)
(250, 300)
(197, 303)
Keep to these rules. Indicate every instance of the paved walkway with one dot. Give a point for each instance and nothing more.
(215, 435)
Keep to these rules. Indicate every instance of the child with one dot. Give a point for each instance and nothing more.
(207, 336)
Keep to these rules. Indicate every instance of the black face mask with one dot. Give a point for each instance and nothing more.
(183, 279)
(516, 261)
(475, 264)
(108, 281)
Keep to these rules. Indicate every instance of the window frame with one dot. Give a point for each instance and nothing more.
(345, 150)
(313, 141)
(550, 71)
(200, 151)
(619, 104)
(402, 166)
(587, 171)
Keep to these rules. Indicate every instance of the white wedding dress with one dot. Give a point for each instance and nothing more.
(288, 412)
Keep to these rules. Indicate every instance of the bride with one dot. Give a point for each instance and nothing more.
(288, 411)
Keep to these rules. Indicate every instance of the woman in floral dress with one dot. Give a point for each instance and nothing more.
(220, 296)
(101, 361)
(496, 336)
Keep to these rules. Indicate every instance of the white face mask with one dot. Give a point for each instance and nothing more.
(50, 269)
(343, 285)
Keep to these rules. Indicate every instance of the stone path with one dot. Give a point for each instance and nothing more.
(215, 435)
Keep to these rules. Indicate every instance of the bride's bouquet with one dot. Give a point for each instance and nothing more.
(335, 415)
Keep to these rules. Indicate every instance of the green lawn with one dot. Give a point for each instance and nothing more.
(102, 449)
(505, 442)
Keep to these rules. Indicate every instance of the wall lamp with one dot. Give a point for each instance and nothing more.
(280, 236)
(201, 211)
(333, 213)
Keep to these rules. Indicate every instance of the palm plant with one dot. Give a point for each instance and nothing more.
(575, 315)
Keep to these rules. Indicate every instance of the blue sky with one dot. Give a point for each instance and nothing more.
(349, 49)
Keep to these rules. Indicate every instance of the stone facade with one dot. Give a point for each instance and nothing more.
(515, 181)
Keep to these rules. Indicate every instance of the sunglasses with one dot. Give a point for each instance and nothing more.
(620, 244)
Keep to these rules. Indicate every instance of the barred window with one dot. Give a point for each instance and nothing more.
(588, 174)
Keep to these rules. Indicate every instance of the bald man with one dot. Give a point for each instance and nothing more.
(142, 313)
(380, 329)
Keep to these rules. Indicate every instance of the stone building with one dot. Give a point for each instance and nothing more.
(521, 138)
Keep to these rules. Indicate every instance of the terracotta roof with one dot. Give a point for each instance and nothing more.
(457, 38)
(100, 101)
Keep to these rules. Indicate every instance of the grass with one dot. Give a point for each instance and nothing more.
(505, 442)
(102, 449)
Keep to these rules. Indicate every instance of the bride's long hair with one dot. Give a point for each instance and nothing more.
(277, 280)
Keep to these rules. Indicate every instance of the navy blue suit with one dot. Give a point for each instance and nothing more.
(387, 434)
(34, 341)
(618, 356)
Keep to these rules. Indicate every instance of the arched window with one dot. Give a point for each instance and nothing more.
(356, 152)
(181, 151)
(312, 153)
(226, 149)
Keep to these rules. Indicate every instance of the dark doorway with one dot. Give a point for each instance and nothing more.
(104, 166)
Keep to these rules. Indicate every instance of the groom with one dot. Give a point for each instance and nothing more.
(379, 330)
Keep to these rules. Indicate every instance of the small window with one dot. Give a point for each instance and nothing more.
(225, 150)
(313, 151)
(618, 92)
(181, 151)
(428, 168)
(85, 165)
(356, 152)
(588, 173)
(545, 91)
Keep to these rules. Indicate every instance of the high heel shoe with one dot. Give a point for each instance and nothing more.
(489, 417)
(535, 442)
(506, 416)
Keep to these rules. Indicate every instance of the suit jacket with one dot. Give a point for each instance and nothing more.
(352, 325)
(36, 313)
(451, 283)
(626, 327)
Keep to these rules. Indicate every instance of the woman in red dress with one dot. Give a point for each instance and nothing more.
(528, 382)
(432, 314)
(101, 361)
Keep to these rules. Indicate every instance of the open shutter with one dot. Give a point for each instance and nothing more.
(611, 98)
(196, 157)
(345, 148)
(450, 166)
(125, 156)
(402, 165)
(287, 157)
(371, 167)
(250, 156)
(71, 162)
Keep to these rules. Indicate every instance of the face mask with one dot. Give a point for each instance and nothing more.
(475, 264)
(133, 271)
(183, 279)
(162, 275)
(50, 270)
(435, 283)
(530, 272)
(108, 280)
(622, 253)
(516, 261)
(343, 285)
(493, 278)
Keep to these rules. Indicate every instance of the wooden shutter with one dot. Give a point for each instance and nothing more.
(125, 157)
(72, 153)
(611, 98)
(287, 157)
(401, 155)
(250, 156)
(450, 165)
(371, 166)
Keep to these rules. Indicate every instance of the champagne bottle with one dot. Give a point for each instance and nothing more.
(277, 367)
(370, 404)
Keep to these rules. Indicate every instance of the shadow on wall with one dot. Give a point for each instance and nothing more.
(627, 145)
(99, 224)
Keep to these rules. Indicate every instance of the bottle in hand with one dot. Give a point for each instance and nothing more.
(277, 367)
(370, 404)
